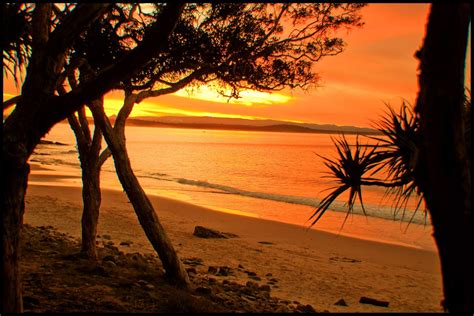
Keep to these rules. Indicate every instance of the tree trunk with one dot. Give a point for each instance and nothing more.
(14, 183)
(444, 168)
(141, 204)
(91, 197)
(88, 149)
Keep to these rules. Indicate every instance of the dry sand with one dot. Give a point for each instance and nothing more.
(312, 267)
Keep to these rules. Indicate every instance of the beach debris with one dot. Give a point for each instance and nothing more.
(341, 302)
(373, 301)
(266, 243)
(344, 259)
(204, 232)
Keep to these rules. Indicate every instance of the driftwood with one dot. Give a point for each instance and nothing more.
(372, 301)
(203, 232)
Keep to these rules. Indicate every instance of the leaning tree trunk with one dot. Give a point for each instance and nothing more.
(444, 168)
(89, 149)
(143, 208)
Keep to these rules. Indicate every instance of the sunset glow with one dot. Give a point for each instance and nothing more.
(378, 67)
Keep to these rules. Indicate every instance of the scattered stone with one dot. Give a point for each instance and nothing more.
(109, 258)
(106, 237)
(110, 243)
(142, 282)
(256, 278)
(126, 243)
(212, 281)
(240, 266)
(191, 271)
(29, 301)
(193, 261)
(110, 264)
(265, 288)
(266, 243)
(250, 273)
(251, 284)
(306, 309)
(203, 232)
(149, 287)
(224, 271)
(373, 301)
(268, 275)
(273, 280)
(341, 302)
(203, 290)
(212, 270)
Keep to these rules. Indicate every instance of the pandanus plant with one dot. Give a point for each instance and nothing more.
(390, 164)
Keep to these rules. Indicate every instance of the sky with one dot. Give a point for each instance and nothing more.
(378, 67)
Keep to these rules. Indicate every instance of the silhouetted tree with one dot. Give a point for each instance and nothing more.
(427, 152)
(226, 35)
(39, 108)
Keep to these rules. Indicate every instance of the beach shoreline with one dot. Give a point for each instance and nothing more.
(313, 267)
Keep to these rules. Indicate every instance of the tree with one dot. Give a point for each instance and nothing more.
(39, 109)
(278, 60)
(427, 152)
(216, 30)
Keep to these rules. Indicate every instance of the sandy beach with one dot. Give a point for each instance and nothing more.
(313, 267)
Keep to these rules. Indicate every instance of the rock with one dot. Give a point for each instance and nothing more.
(373, 301)
(265, 243)
(240, 266)
(250, 273)
(203, 290)
(149, 287)
(251, 284)
(265, 288)
(203, 232)
(268, 275)
(106, 237)
(142, 282)
(305, 309)
(212, 270)
(256, 278)
(193, 261)
(282, 309)
(110, 243)
(212, 281)
(29, 301)
(110, 264)
(126, 243)
(109, 258)
(191, 270)
(224, 271)
(341, 302)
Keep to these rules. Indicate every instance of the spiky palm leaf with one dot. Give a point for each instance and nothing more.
(399, 151)
(348, 171)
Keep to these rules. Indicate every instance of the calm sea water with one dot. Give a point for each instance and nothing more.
(275, 176)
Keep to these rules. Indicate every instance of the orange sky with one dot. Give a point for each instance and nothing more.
(377, 66)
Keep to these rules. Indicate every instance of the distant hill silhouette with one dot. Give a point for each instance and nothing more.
(244, 125)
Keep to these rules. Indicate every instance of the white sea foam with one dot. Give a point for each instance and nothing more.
(384, 212)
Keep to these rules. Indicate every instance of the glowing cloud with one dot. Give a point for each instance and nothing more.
(247, 97)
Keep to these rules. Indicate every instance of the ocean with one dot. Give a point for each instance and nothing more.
(269, 175)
